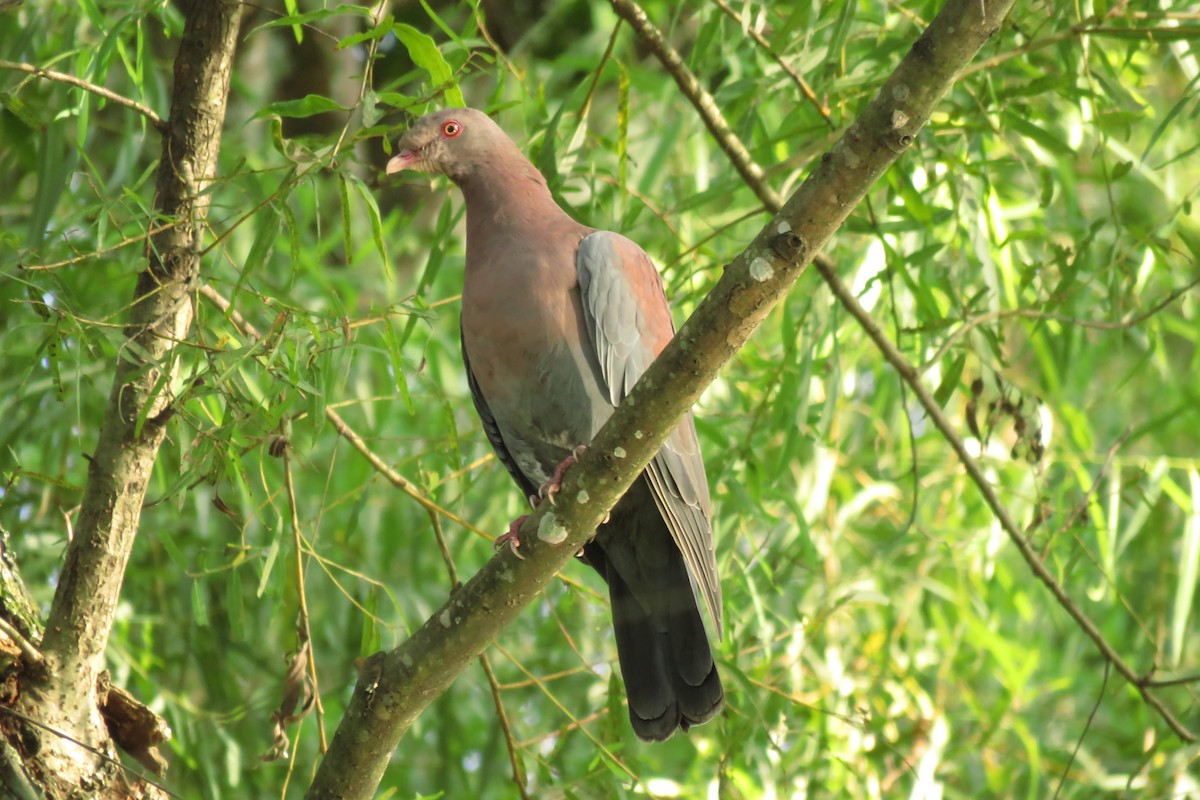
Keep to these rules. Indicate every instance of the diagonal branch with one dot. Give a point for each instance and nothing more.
(790, 71)
(750, 171)
(394, 688)
(911, 376)
(99, 91)
(343, 428)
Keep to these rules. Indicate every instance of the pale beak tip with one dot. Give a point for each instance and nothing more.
(400, 162)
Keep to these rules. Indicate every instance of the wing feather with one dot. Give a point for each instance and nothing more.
(629, 322)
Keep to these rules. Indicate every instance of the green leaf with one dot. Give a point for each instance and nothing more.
(376, 224)
(265, 236)
(392, 343)
(199, 604)
(424, 53)
(293, 240)
(347, 239)
(438, 21)
(1120, 170)
(307, 18)
(370, 108)
(307, 106)
(297, 29)
(235, 610)
(378, 32)
(19, 109)
(269, 560)
(1189, 571)
(950, 381)
(370, 641)
(1050, 141)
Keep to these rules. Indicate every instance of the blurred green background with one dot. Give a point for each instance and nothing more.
(883, 637)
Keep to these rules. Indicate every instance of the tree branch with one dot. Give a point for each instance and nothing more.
(343, 428)
(911, 376)
(797, 79)
(81, 615)
(750, 171)
(393, 688)
(100, 91)
(32, 657)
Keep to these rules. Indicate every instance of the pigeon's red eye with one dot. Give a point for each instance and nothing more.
(451, 129)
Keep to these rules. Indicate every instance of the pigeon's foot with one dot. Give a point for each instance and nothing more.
(553, 486)
(512, 537)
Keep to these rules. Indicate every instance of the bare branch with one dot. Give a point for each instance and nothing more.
(797, 79)
(100, 91)
(750, 171)
(302, 595)
(141, 237)
(29, 653)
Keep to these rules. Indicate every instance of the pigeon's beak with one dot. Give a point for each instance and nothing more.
(405, 159)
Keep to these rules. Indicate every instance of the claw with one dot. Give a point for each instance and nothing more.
(554, 485)
(512, 537)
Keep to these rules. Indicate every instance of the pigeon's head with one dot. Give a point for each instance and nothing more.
(455, 142)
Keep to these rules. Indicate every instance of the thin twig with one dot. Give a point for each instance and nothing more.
(510, 741)
(1079, 29)
(497, 49)
(1086, 727)
(298, 564)
(797, 79)
(632, 13)
(575, 722)
(51, 75)
(1082, 505)
(577, 725)
(1163, 682)
(343, 428)
(93, 254)
(908, 373)
(368, 68)
(32, 656)
(587, 100)
(1030, 313)
(141, 776)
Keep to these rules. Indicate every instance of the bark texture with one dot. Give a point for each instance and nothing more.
(393, 688)
(68, 695)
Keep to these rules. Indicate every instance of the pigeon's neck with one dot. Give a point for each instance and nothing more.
(511, 195)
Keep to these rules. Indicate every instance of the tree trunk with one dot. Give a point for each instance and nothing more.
(69, 693)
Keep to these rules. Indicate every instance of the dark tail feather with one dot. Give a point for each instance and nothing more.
(670, 678)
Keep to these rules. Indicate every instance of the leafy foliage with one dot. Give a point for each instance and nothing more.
(883, 637)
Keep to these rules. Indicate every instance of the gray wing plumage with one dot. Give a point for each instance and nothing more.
(628, 322)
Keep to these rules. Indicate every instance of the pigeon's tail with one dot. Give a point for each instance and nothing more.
(670, 678)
